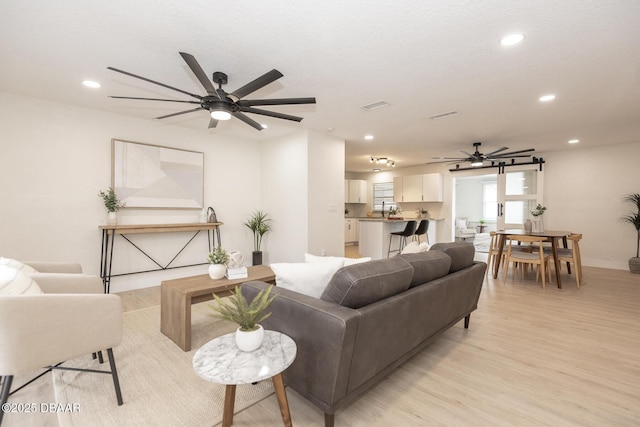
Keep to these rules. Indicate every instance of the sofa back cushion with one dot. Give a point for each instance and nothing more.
(359, 285)
(427, 266)
(461, 254)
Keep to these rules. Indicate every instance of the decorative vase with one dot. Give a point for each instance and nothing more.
(634, 265)
(538, 225)
(217, 271)
(249, 340)
(112, 218)
(528, 226)
(257, 257)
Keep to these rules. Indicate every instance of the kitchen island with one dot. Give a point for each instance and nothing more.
(374, 235)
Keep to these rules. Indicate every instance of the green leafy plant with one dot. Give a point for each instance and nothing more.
(482, 221)
(539, 210)
(634, 217)
(236, 309)
(260, 223)
(424, 211)
(219, 256)
(110, 200)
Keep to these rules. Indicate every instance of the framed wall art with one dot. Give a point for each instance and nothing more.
(152, 176)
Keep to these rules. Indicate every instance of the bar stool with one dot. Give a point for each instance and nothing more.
(423, 227)
(409, 230)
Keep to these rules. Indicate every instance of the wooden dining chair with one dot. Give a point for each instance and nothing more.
(520, 258)
(494, 249)
(571, 255)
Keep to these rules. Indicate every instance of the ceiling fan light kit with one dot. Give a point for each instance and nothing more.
(223, 105)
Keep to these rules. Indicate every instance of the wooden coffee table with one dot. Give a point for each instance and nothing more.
(177, 295)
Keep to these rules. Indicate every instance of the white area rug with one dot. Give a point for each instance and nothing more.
(159, 386)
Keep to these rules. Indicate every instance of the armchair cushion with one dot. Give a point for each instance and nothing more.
(15, 282)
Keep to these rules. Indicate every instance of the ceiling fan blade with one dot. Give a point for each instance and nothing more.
(509, 154)
(450, 158)
(497, 151)
(281, 101)
(270, 114)
(213, 123)
(181, 112)
(466, 153)
(154, 82)
(247, 120)
(500, 158)
(258, 83)
(153, 99)
(199, 73)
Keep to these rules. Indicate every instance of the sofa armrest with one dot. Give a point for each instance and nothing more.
(55, 267)
(325, 335)
(45, 329)
(60, 283)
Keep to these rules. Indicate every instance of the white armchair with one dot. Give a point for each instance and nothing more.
(462, 230)
(71, 318)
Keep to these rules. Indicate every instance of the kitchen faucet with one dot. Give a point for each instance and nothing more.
(383, 209)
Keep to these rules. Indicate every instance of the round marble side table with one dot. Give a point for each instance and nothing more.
(221, 361)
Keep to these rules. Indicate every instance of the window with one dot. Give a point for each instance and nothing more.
(490, 200)
(383, 192)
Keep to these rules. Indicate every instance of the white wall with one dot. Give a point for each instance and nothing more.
(55, 159)
(583, 190)
(302, 181)
(326, 195)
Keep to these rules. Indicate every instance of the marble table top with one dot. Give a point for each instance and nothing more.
(221, 361)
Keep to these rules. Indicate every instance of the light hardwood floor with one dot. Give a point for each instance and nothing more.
(568, 357)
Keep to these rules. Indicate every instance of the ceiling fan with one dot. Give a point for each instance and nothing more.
(221, 104)
(478, 158)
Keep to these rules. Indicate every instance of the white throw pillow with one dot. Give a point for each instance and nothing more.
(415, 247)
(15, 282)
(17, 265)
(346, 261)
(309, 278)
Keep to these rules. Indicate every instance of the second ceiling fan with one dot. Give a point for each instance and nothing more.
(477, 158)
(221, 104)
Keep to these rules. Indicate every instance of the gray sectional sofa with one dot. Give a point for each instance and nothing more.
(371, 318)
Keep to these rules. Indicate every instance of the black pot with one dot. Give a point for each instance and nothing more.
(257, 257)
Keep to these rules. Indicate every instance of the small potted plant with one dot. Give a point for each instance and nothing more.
(248, 316)
(218, 260)
(633, 218)
(112, 203)
(538, 225)
(260, 223)
(424, 213)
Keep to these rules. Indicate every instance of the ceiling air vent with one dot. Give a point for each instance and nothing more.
(443, 115)
(375, 106)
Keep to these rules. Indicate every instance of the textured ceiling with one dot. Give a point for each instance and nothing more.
(422, 57)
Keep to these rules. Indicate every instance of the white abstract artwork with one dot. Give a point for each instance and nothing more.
(151, 176)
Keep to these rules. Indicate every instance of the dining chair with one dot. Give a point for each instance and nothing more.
(520, 257)
(571, 255)
(493, 252)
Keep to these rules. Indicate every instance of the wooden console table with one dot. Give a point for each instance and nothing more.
(177, 296)
(109, 233)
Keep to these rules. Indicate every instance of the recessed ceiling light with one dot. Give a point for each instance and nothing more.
(511, 39)
(547, 98)
(91, 84)
(264, 126)
(368, 137)
(376, 170)
(574, 141)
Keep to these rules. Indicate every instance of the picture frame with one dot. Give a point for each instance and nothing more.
(154, 176)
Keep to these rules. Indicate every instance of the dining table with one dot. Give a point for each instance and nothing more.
(552, 235)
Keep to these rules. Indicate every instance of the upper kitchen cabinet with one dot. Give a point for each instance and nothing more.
(355, 191)
(433, 187)
(418, 188)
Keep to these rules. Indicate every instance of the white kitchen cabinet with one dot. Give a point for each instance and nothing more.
(397, 189)
(355, 191)
(350, 230)
(432, 187)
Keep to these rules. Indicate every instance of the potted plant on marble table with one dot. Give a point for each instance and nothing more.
(247, 316)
